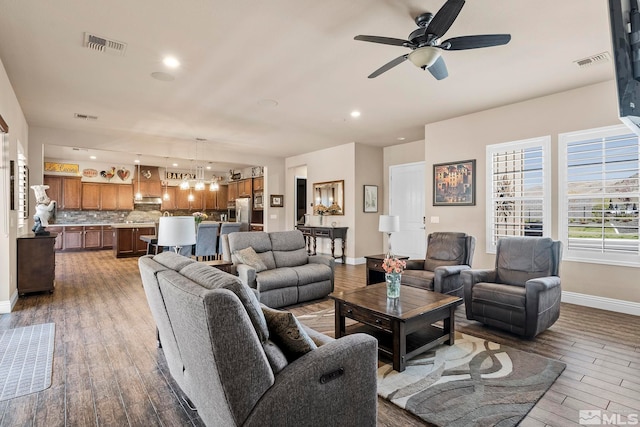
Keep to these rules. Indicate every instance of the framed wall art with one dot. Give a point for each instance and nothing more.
(454, 183)
(370, 203)
(277, 200)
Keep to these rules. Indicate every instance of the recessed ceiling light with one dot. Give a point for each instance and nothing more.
(171, 62)
(355, 114)
(136, 161)
(92, 157)
(175, 165)
(401, 138)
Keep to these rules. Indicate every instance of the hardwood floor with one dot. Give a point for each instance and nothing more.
(108, 371)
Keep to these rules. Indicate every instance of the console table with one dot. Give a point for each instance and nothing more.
(311, 233)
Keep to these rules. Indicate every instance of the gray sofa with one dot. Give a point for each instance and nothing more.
(291, 275)
(224, 358)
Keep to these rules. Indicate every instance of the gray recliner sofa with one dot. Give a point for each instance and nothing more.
(223, 356)
(291, 275)
(448, 253)
(522, 293)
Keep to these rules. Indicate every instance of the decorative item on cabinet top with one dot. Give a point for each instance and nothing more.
(257, 171)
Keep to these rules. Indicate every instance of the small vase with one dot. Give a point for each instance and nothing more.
(393, 284)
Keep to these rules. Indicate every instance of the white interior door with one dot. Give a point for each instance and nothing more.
(406, 199)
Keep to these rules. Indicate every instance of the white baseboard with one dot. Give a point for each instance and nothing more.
(610, 304)
(7, 306)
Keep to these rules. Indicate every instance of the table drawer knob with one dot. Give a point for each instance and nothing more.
(349, 311)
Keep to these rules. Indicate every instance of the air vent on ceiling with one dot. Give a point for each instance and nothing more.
(592, 60)
(103, 44)
(85, 116)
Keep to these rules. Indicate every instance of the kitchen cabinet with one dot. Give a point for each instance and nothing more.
(232, 191)
(183, 203)
(73, 237)
(258, 183)
(36, 257)
(91, 196)
(125, 197)
(245, 188)
(92, 237)
(106, 197)
(66, 191)
(127, 241)
(216, 200)
(107, 237)
(169, 205)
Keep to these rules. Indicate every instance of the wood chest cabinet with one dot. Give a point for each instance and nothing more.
(36, 263)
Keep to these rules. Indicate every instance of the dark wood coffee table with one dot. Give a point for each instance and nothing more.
(403, 326)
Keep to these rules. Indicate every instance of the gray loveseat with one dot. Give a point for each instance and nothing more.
(224, 358)
(291, 275)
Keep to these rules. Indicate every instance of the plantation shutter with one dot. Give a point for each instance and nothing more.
(518, 182)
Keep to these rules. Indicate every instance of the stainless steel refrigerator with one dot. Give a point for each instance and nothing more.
(243, 213)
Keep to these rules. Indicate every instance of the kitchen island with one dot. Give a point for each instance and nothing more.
(126, 238)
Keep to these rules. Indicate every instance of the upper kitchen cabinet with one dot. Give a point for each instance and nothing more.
(65, 190)
(107, 197)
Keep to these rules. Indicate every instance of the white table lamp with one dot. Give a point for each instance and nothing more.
(389, 224)
(177, 231)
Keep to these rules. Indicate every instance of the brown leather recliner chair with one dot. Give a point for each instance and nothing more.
(522, 294)
(447, 255)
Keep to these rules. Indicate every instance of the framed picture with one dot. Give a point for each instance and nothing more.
(454, 184)
(277, 200)
(370, 203)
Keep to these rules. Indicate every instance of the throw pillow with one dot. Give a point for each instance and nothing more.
(287, 333)
(250, 257)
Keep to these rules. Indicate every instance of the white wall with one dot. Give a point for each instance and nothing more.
(466, 137)
(11, 112)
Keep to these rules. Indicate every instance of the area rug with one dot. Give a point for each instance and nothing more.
(26, 359)
(472, 383)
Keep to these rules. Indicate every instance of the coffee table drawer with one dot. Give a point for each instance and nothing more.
(364, 316)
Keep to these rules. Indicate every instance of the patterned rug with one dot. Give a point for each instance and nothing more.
(472, 383)
(26, 359)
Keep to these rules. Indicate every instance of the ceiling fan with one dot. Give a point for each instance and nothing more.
(425, 43)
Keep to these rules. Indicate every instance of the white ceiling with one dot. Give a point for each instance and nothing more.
(237, 53)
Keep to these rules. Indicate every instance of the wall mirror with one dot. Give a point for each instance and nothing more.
(328, 198)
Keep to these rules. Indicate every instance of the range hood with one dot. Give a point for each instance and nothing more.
(148, 201)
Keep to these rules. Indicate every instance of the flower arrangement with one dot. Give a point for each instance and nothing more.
(321, 209)
(391, 264)
(200, 216)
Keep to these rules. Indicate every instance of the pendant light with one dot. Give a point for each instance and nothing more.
(138, 195)
(214, 184)
(199, 172)
(165, 196)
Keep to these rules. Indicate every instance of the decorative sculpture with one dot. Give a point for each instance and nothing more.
(45, 210)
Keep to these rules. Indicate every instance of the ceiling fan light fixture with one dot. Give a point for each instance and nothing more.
(424, 57)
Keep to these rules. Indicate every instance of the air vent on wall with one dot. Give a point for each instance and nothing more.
(592, 60)
(85, 116)
(103, 44)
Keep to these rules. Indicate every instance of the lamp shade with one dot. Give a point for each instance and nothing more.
(389, 223)
(177, 231)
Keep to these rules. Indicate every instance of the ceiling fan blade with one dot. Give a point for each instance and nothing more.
(389, 65)
(442, 21)
(384, 40)
(475, 42)
(439, 69)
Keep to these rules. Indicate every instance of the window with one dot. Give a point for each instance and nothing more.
(599, 195)
(23, 190)
(518, 190)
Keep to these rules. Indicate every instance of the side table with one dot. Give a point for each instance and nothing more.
(375, 272)
(226, 266)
